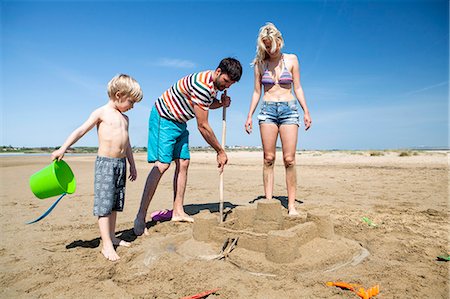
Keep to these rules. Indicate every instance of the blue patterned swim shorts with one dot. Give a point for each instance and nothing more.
(109, 185)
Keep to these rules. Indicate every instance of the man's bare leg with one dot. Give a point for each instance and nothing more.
(179, 188)
(151, 184)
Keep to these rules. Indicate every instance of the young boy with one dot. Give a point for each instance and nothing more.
(113, 150)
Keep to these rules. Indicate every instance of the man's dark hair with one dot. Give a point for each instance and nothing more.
(232, 67)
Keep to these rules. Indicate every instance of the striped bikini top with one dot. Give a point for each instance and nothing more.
(285, 77)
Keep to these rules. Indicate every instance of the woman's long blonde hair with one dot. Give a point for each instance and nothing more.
(270, 32)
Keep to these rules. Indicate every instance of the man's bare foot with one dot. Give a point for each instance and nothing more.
(293, 212)
(110, 254)
(139, 227)
(182, 218)
(119, 242)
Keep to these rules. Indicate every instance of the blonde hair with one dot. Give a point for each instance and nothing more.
(125, 84)
(270, 32)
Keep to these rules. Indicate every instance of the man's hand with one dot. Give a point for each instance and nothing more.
(222, 159)
(225, 100)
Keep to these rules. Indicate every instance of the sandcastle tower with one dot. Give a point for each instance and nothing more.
(265, 228)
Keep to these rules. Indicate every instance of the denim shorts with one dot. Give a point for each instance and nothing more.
(167, 139)
(279, 113)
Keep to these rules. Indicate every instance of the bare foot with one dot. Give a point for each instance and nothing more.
(182, 218)
(139, 227)
(119, 242)
(293, 212)
(110, 254)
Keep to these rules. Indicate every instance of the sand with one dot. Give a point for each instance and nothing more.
(407, 197)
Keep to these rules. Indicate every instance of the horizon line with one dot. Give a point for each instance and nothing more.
(243, 147)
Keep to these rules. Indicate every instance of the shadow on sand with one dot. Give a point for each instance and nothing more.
(129, 236)
(126, 235)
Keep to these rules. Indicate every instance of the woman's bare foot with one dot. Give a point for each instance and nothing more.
(119, 242)
(110, 254)
(292, 212)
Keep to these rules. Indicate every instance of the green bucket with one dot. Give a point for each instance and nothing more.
(55, 179)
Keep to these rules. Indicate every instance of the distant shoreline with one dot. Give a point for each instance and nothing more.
(88, 151)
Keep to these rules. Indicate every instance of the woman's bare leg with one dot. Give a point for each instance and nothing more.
(288, 136)
(269, 135)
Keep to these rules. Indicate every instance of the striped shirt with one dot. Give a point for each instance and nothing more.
(177, 103)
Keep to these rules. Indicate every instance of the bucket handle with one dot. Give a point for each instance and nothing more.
(48, 211)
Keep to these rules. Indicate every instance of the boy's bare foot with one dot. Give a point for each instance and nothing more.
(293, 212)
(139, 227)
(110, 254)
(119, 242)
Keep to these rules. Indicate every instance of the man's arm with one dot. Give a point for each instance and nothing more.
(224, 101)
(216, 104)
(209, 136)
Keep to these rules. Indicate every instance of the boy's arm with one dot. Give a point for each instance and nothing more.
(130, 158)
(93, 119)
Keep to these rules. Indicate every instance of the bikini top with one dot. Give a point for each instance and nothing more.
(285, 77)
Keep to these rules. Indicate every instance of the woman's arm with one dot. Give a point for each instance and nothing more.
(255, 98)
(298, 91)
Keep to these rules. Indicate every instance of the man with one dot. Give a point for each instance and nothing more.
(168, 140)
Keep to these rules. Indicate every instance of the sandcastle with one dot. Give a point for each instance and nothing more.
(265, 228)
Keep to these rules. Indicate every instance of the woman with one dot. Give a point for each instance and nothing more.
(279, 74)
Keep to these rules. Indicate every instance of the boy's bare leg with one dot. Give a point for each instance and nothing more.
(269, 134)
(288, 135)
(149, 190)
(112, 231)
(179, 188)
(108, 248)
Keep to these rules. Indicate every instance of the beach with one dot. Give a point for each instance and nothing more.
(406, 196)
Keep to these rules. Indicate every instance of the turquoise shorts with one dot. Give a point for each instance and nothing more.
(167, 140)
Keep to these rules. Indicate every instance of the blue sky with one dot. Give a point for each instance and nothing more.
(375, 73)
